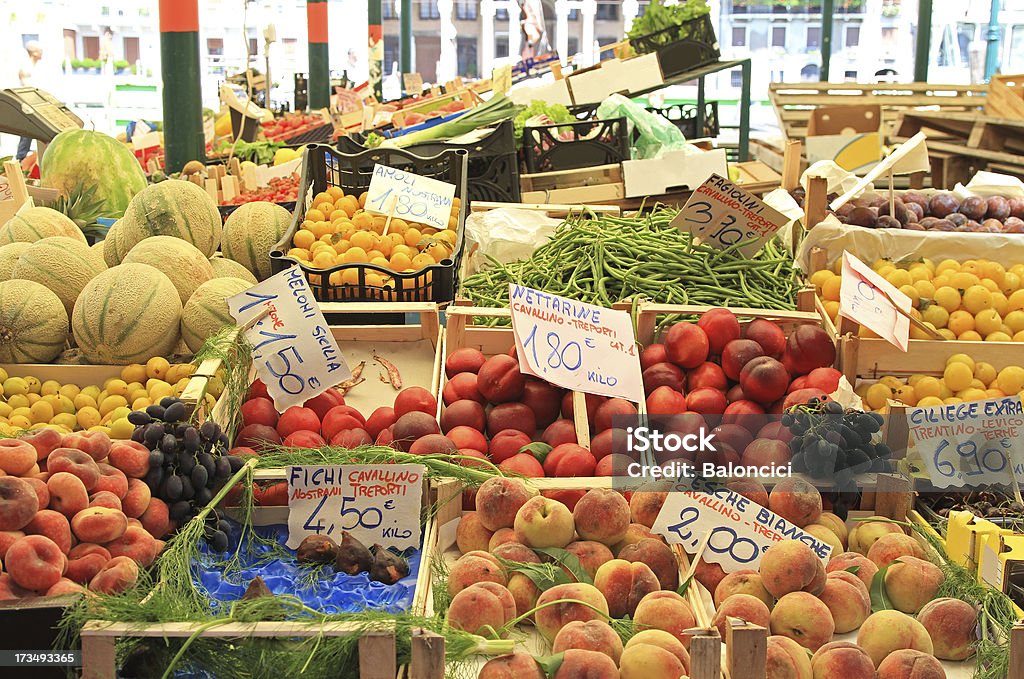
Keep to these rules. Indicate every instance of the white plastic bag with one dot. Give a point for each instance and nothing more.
(506, 234)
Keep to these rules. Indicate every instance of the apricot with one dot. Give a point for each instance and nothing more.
(499, 499)
(743, 606)
(117, 575)
(624, 584)
(35, 562)
(473, 567)
(665, 611)
(952, 625)
(592, 635)
(803, 618)
(554, 616)
(887, 631)
(658, 556)
(602, 515)
(795, 500)
(910, 664)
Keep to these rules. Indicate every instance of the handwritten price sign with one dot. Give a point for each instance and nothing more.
(576, 345)
(410, 196)
(293, 350)
(970, 444)
(870, 300)
(740, 530)
(377, 504)
(722, 214)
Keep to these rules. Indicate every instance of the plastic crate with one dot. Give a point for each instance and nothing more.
(325, 167)
(320, 134)
(226, 210)
(681, 48)
(684, 117)
(570, 146)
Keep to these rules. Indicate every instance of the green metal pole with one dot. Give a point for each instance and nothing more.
(405, 39)
(179, 66)
(746, 68)
(828, 10)
(319, 55)
(376, 48)
(992, 59)
(924, 40)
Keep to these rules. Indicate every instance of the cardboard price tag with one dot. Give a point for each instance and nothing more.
(377, 504)
(740, 529)
(293, 349)
(722, 214)
(412, 83)
(971, 444)
(410, 197)
(575, 345)
(501, 79)
(870, 300)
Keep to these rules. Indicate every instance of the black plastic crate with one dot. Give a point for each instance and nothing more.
(226, 210)
(325, 167)
(681, 48)
(321, 134)
(684, 117)
(569, 146)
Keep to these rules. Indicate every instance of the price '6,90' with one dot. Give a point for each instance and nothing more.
(973, 462)
(350, 517)
(728, 233)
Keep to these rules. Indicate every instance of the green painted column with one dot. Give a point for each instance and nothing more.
(828, 10)
(319, 56)
(924, 40)
(405, 39)
(992, 59)
(375, 42)
(182, 94)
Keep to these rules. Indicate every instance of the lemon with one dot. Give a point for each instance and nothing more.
(958, 375)
(987, 322)
(977, 298)
(878, 395)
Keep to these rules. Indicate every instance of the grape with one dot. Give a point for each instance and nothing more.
(172, 488)
(206, 460)
(224, 441)
(187, 489)
(223, 469)
(190, 439)
(167, 402)
(153, 478)
(179, 511)
(186, 462)
(156, 459)
(154, 432)
(236, 463)
(210, 430)
(169, 444)
(203, 495)
(138, 417)
(156, 412)
(833, 408)
(799, 464)
(174, 412)
(199, 476)
(219, 541)
(139, 435)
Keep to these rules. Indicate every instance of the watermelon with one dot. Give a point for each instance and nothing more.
(96, 164)
(171, 208)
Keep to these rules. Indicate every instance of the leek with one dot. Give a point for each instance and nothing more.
(497, 109)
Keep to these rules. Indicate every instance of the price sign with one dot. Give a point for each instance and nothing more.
(410, 196)
(501, 79)
(740, 529)
(722, 214)
(413, 83)
(377, 504)
(575, 345)
(293, 350)
(970, 444)
(870, 300)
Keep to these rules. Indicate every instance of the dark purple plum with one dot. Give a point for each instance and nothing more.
(942, 205)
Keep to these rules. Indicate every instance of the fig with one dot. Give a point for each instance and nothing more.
(862, 216)
(316, 549)
(942, 205)
(998, 208)
(353, 557)
(257, 588)
(387, 566)
(974, 208)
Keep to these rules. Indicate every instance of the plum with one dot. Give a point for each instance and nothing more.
(998, 208)
(899, 211)
(915, 198)
(888, 222)
(991, 226)
(862, 216)
(974, 208)
(915, 211)
(957, 219)
(914, 226)
(1016, 207)
(942, 205)
(928, 222)
(1013, 225)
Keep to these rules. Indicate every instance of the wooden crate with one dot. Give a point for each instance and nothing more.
(599, 184)
(1005, 97)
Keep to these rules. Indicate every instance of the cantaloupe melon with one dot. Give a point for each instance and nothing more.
(9, 257)
(110, 254)
(35, 223)
(229, 268)
(182, 262)
(127, 314)
(207, 310)
(33, 323)
(61, 264)
(172, 208)
(251, 232)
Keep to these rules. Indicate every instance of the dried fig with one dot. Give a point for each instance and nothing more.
(387, 566)
(316, 549)
(352, 557)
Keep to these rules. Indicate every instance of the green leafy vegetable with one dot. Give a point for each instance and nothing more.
(550, 664)
(544, 576)
(569, 560)
(260, 152)
(880, 600)
(659, 17)
(555, 112)
(498, 108)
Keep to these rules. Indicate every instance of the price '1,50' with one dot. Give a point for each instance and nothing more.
(279, 363)
(568, 356)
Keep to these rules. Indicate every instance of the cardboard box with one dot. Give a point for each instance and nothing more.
(593, 85)
(554, 92)
(851, 136)
(965, 534)
(674, 171)
(1000, 553)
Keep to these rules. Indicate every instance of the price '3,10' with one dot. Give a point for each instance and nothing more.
(727, 234)
(568, 356)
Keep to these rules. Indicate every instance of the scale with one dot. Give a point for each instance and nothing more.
(33, 113)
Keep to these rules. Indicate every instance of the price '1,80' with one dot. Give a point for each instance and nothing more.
(560, 356)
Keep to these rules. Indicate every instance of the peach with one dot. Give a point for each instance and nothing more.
(17, 457)
(709, 575)
(515, 551)
(787, 659)
(887, 631)
(826, 535)
(602, 515)
(111, 479)
(592, 555)
(105, 498)
(624, 584)
(8, 538)
(96, 444)
(499, 379)
(554, 616)
(644, 661)
(99, 524)
(542, 522)
(666, 611)
(75, 462)
(130, 457)
(848, 600)
(910, 664)
(791, 566)
(524, 593)
(634, 534)
(156, 519)
(35, 562)
(742, 582)
(795, 500)
(471, 534)
(583, 664)
(743, 606)
(68, 495)
(10, 590)
(865, 533)
(865, 567)
(842, 659)
(83, 567)
(137, 500)
(888, 548)
(65, 586)
(53, 525)
(474, 567)
(911, 583)
(499, 538)
(752, 489)
(661, 639)
(803, 618)
(483, 608)
(135, 543)
(952, 625)
(117, 575)
(592, 635)
(42, 492)
(836, 525)
(658, 556)
(645, 505)
(499, 499)
(44, 441)
(514, 666)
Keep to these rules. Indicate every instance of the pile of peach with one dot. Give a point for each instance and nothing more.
(74, 513)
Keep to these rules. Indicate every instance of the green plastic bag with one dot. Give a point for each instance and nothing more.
(654, 134)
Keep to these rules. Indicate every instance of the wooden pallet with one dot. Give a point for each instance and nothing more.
(599, 184)
(794, 102)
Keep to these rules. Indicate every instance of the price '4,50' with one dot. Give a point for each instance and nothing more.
(351, 518)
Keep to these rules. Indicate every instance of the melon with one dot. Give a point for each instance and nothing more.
(61, 264)
(95, 164)
(110, 254)
(172, 208)
(33, 323)
(35, 223)
(207, 310)
(127, 314)
(251, 232)
(229, 268)
(9, 257)
(184, 264)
